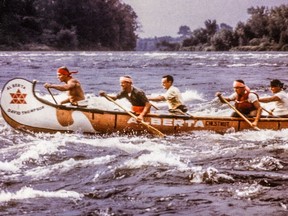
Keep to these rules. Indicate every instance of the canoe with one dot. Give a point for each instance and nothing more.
(25, 110)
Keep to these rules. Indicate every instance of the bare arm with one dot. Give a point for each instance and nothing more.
(64, 87)
(259, 111)
(65, 101)
(222, 101)
(103, 94)
(158, 98)
(269, 99)
(144, 112)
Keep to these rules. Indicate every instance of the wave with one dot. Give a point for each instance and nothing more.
(30, 193)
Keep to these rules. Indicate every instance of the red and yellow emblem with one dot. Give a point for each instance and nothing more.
(18, 98)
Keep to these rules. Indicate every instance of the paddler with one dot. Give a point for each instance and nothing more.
(137, 97)
(246, 102)
(72, 86)
(172, 96)
(279, 97)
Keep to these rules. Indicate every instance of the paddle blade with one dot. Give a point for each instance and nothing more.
(153, 130)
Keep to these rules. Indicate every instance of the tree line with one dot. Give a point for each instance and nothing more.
(67, 24)
(266, 29)
(112, 25)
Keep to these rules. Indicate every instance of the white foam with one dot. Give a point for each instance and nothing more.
(37, 148)
(30, 193)
(8, 167)
(154, 159)
(31, 151)
(192, 95)
(132, 145)
(248, 191)
(211, 174)
(263, 135)
(266, 163)
(65, 166)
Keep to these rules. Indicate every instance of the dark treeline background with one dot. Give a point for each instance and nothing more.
(266, 29)
(67, 25)
(112, 25)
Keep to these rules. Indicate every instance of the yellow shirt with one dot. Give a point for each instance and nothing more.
(173, 97)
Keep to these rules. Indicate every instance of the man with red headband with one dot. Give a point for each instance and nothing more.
(72, 86)
(246, 102)
(137, 97)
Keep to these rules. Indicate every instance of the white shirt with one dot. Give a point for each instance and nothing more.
(173, 97)
(281, 107)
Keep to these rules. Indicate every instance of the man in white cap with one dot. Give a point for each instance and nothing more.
(137, 97)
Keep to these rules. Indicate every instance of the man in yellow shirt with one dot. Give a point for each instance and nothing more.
(172, 96)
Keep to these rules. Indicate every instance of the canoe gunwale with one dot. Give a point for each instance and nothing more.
(161, 115)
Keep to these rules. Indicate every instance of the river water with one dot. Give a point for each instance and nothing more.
(197, 173)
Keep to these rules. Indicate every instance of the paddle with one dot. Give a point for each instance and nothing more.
(237, 111)
(52, 96)
(269, 112)
(181, 112)
(153, 105)
(149, 127)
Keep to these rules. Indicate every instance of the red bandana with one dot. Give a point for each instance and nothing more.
(65, 71)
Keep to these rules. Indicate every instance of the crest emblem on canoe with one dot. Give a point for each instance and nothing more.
(18, 97)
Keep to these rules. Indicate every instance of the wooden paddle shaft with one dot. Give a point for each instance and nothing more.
(52, 96)
(238, 112)
(154, 130)
(270, 113)
(153, 105)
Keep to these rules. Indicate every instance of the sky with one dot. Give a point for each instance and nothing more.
(164, 17)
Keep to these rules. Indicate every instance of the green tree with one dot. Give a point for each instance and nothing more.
(18, 22)
(184, 31)
(97, 23)
(243, 34)
(211, 27)
(192, 41)
(201, 35)
(222, 40)
(278, 24)
(258, 21)
(68, 24)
